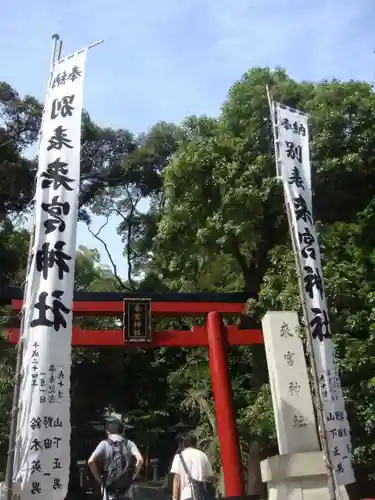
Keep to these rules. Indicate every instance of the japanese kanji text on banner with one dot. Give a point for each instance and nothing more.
(42, 453)
(294, 169)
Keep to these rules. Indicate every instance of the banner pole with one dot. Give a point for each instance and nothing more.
(317, 399)
(17, 375)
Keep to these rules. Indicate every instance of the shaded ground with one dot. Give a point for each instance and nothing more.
(143, 491)
(151, 491)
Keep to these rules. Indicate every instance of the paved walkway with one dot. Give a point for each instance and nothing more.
(151, 491)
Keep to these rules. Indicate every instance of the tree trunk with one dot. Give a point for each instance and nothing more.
(254, 478)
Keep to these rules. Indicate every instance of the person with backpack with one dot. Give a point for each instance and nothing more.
(193, 474)
(115, 463)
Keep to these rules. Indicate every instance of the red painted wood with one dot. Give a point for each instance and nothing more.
(115, 308)
(225, 416)
(167, 338)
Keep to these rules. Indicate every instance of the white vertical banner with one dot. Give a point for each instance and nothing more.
(294, 169)
(42, 452)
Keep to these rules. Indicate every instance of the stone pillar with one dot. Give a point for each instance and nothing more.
(291, 394)
(298, 472)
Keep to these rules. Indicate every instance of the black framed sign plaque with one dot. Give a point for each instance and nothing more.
(137, 320)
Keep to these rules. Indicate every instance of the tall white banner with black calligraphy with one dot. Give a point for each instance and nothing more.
(294, 170)
(42, 454)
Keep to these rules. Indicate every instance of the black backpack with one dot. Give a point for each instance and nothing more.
(120, 468)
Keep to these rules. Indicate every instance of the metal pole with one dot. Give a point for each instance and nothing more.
(17, 377)
(59, 51)
(318, 402)
(98, 42)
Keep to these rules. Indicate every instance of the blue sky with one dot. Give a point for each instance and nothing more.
(167, 59)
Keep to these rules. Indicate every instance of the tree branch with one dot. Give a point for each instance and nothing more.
(114, 267)
(239, 256)
(128, 221)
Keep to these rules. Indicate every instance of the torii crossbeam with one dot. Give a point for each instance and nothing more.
(137, 309)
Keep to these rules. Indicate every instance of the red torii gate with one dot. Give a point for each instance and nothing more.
(214, 335)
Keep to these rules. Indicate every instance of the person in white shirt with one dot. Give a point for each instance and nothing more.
(197, 464)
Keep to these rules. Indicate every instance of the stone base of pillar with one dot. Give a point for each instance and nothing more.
(301, 476)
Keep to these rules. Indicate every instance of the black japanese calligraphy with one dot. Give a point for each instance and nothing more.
(334, 383)
(75, 73)
(323, 388)
(48, 443)
(64, 77)
(295, 127)
(62, 106)
(299, 129)
(58, 309)
(302, 210)
(56, 441)
(56, 483)
(296, 178)
(47, 258)
(35, 352)
(36, 423)
(336, 451)
(313, 281)
(294, 388)
(42, 382)
(299, 421)
(36, 466)
(34, 374)
(289, 358)
(285, 122)
(57, 422)
(56, 210)
(59, 139)
(52, 384)
(285, 330)
(307, 242)
(60, 378)
(59, 79)
(36, 445)
(34, 363)
(339, 468)
(36, 489)
(56, 464)
(56, 175)
(337, 415)
(292, 151)
(338, 433)
(50, 422)
(320, 328)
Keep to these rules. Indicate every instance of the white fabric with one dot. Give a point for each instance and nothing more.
(293, 148)
(199, 468)
(42, 451)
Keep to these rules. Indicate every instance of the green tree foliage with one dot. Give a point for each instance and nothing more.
(224, 206)
(200, 209)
